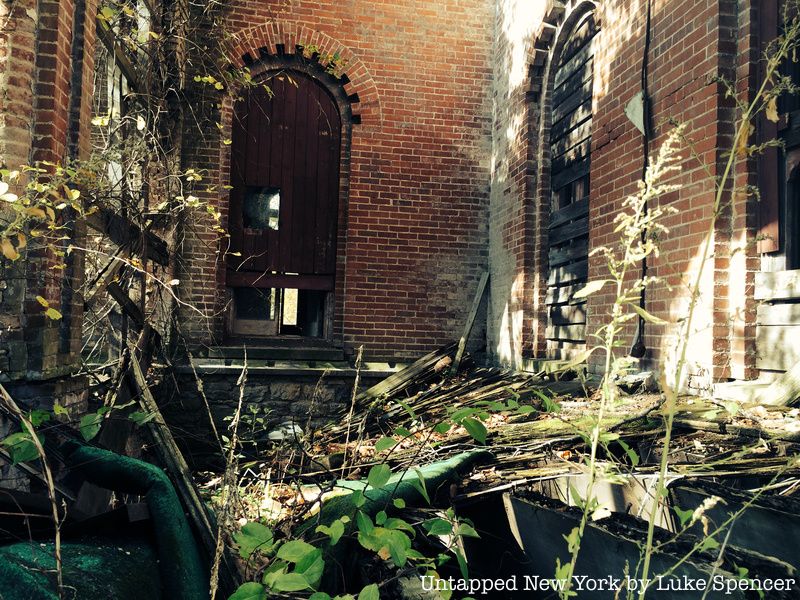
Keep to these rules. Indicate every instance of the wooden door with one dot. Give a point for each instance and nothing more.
(285, 186)
(568, 234)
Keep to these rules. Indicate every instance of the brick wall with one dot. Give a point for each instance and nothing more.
(414, 213)
(47, 73)
(692, 45)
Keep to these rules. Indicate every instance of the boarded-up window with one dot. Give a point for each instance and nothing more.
(568, 235)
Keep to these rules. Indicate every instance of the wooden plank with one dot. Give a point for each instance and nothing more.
(564, 127)
(575, 154)
(579, 80)
(569, 231)
(125, 233)
(785, 390)
(568, 315)
(409, 374)
(576, 210)
(567, 176)
(577, 271)
(778, 314)
(476, 302)
(578, 60)
(179, 472)
(576, 136)
(566, 254)
(572, 333)
(128, 306)
(571, 103)
(778, 285)
(563, 294)
(777, 346)
(581, 35)
(279, 280)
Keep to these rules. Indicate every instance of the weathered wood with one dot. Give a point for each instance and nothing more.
(563, 294)
(565, 254)
(565, 126)
(568, 315)
(778, 314)
(570, 231)
(570, 174)
(179, 472)
(778, 285)
(577, 271)
(476, 302)
(573, 64)
(576, 210)
(778, 346)
(573, 333)
(125, 233)
(785, 390)
(576, 136)
(128, 306)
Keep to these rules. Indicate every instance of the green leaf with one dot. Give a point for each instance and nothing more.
(385, 443)
(466, 530)
(140, 417)
(364, 523)
(252, 537)
(395, 523)
(442, 427)
(21, 447)
(526, 409)
(381, 517)
(683, 515)
(369, 592)
(320, 596)
(37, 417)
(59, 410)
(250, 591)
(438, 526)
(399, 503)
(590, 288)
(89, 425)
(709, 543)
(462, 563)
(463, 414)
(632, 455)
(273, 571)
(336, 531)
(402, 432)
(311, 567)
(379, 476)
(358, 499)
(420, 485)
(294, 551)
(476, 429)
(290, 582)
(650, 318)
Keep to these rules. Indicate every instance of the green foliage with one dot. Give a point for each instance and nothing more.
(21, 447)
(254, 537)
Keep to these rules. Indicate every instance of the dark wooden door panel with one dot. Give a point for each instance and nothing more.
(285, 146)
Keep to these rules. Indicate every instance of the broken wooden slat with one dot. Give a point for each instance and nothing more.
(129, 307)
(778, 314)
(778, 285)
(784, 390)
(476, 302)
(778, 346)
(176, 466)
(124, 232)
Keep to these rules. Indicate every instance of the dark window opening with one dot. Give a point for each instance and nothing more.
(261, 208)
(271, 312)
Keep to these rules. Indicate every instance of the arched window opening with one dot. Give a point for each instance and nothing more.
(284, 206)
(568, 235)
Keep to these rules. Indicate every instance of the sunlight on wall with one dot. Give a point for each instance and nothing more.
(509, 344)
(697, 368)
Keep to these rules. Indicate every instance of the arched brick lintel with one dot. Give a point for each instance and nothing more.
(282, 37)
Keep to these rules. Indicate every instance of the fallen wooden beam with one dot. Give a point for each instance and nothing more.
(126, 233)
(476, 302)
(127, 305)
